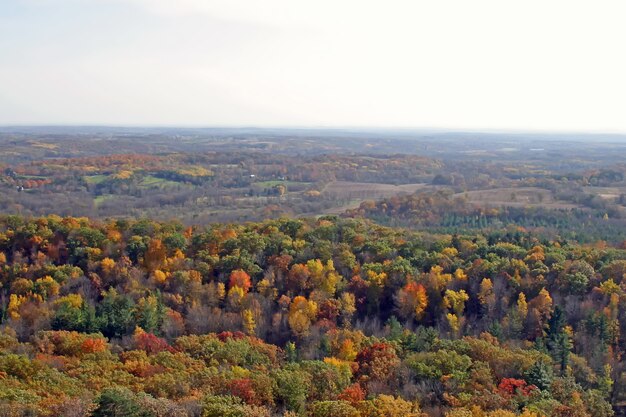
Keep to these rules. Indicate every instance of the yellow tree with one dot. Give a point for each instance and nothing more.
(460, 275)
(522, 306)
(155, 255)
(539, 310)
(249, 323)
(486, 295)
(455, 301)
(438, 279)
(301, 313)
(107, 265)
(348, 307)
(323, 277)
(235, 297)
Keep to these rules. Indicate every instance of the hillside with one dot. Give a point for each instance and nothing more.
(326, 317)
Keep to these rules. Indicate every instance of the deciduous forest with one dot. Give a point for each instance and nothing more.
(291, 282)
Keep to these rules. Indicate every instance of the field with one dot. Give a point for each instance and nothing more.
(288, 184)
(237, 175)
(370, 190)
(350, 195)
(95, 179)
(607, 193)
(102, 198)
(150, 181)
(517, 197)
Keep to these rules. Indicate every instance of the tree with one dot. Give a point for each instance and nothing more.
(118, 402)
(292, 386)
(539, 375)
(522, 306)
(486, 295)
(229, 406)
(559, 342)
(116, 314)
(388, 405)
(240, 278)
(155, 255)
(575, 278)
(411, 301)
(377, 362)
(539, 309)
(455, 301)
(298, 278)
(333, 409)
(73, 313)
(150, 313)
(46, 287)
(248, 322)
(348, 308)
(353, 394)
(301, 313)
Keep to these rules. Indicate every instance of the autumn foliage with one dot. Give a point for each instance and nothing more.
(319, 317)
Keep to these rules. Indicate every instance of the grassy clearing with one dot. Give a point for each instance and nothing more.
(607, 193)
(274, 183)
(95, 179)
(150, 181)
(369, 190)
(102, 198)
(32, 177)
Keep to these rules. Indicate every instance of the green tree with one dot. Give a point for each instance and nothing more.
(559, 343)
(539, 375)
(292, 387)
(116, 314)
(119, 402)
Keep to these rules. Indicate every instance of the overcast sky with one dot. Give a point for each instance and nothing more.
(494, 64)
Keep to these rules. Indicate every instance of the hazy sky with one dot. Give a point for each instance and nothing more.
(523, 64)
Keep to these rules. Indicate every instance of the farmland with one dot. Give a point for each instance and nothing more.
(201, 176)
(519, 197)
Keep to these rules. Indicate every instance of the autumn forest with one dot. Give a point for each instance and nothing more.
(208, 273)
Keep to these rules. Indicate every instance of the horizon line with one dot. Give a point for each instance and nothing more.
(345, 128)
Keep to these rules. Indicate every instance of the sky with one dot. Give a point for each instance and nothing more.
(466, 64)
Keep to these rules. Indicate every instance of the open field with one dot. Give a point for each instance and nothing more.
(102, 198)
(517, 197)
(607, 193)
(350, 195)
(95, 179)
(205, 176)
(273, 183)
(151, 181)
(369, 190)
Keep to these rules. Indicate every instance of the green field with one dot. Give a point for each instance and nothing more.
(147, 181)
(102, 198)
(95, 179)
(150, 181)
(31, 177)
(274, 183)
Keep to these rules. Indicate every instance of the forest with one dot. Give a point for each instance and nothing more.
(267, 273)
(319, 317)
